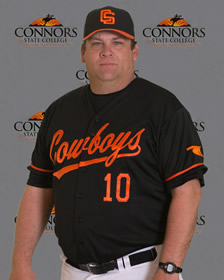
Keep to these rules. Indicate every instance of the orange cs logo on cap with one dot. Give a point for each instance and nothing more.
(107, 17)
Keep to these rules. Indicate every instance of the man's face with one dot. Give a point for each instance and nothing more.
(108, 57)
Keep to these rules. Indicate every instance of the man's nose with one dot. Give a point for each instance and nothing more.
(106, 50)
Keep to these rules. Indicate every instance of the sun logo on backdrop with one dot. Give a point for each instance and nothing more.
(38, 116)
(53, 210)
(49, 20)
(177, 20)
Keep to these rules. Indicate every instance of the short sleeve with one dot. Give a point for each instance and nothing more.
(180, 151)
(41, 167)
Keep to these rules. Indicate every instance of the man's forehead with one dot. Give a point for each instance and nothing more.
(111, 34)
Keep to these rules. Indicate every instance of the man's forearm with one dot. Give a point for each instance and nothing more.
(180, 224)
(33, 215)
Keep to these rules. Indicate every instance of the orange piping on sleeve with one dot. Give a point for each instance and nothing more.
(40, 169)
(181, 172)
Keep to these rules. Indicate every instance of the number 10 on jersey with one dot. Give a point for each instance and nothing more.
(126, 180)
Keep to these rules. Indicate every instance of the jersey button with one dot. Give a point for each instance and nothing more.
(78, 220)
(97, 119)
(79, 196)
(92, 133)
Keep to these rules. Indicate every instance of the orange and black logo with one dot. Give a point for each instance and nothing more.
(38, 116)
(177, 20)
(46, 31)
(27, 130)
(174, 31)
(49, 20)
(195, 150)
(107, 17)
(50, 227)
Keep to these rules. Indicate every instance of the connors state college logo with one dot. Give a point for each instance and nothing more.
(174, 31)
(46, 31)
(177, 20)
(28, 129)
(200, 224)
(49, 20)
(81, 75)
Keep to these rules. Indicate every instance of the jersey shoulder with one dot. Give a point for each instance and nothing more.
(156, 93)
(68, 102)
(158, 101)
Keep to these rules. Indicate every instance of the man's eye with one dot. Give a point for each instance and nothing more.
(118, 43)
(96, 43)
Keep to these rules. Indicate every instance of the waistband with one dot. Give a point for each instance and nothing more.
(141, 256)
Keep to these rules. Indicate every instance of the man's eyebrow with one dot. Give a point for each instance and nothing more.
(119, 37)
(94, 38)
(114, 38)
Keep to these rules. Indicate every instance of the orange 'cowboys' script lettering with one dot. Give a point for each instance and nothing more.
(116, 144)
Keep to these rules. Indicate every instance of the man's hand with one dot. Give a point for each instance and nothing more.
(161, 275)
(22, 274)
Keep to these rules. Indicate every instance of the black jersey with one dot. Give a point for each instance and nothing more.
(112, 170)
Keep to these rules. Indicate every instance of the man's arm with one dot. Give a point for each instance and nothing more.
(180, 226)
(33, 214)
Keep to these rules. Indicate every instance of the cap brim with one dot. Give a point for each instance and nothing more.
(109, 29)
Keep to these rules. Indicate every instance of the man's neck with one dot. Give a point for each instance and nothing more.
(110, 86)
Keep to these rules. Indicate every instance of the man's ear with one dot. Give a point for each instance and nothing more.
(135, 52)
(82, 54)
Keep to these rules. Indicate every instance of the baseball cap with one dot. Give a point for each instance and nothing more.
(109, 18)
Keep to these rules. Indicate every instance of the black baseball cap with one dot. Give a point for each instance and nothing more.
(109, 18)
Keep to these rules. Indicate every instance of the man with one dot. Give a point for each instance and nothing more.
(122, 163)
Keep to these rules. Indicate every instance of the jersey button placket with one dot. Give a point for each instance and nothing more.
(97, 119)
(83, 170)
(80, 196)
(78, 220)
(93, 126)
(81, 182)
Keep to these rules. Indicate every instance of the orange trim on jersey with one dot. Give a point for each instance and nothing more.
(110, 29)
(58, 174)
(40, 169)
(181, 172)
(195, 150)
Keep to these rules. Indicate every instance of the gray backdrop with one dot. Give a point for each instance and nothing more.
(36, 69)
